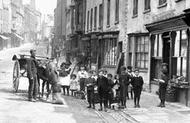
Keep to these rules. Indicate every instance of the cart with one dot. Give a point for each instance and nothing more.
(19, 69)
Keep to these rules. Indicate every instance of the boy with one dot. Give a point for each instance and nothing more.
(102, 83)
(110, 86)
(90, 82)
(137, 83)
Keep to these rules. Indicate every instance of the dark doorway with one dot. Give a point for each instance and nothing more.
(166, 49)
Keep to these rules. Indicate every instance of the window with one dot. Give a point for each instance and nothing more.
(108, 12)
(158, 45)
(117, 11)
(91, 19)
(135, 7)
(180, 52)
(142, 48)
(110, 52)
(100, 16)
(88, 20)
(95, 17)
(162, 2)
(147, 5)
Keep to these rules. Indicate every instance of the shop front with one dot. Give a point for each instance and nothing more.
(108, 51)
(170, 44)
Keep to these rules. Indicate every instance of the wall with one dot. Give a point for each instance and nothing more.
(137, 24)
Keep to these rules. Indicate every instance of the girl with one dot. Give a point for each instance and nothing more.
(73, 84)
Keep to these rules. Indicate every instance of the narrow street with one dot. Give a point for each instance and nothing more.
(15, 108)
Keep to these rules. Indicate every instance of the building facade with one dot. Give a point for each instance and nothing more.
(105, 28)
(158, 32)
(32, 23)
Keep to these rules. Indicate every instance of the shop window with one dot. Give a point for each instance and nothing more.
(110, 52)
(158, 45)
(180, 52)
(108, 12)
(135, 8)
(146, 5)
(142, 48)
(117, 11)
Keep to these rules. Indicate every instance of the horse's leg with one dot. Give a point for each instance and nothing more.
(48, 90)
(43, 85)
(38, 78)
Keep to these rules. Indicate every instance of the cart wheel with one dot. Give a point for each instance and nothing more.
(16, 76)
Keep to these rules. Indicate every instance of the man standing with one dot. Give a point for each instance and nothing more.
(32, 76)
(103, 90)
(163, 82)
(124, 83)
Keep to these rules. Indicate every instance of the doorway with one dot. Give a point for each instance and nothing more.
(166, 52)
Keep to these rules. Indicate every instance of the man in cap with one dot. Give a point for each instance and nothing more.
(32, 76)
(163, 82)
(124, 82)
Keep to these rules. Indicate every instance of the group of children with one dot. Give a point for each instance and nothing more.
(105, 89)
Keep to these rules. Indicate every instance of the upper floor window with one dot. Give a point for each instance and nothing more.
(161, 2)
(88, 17)
(100, 15)
(117, 11)
(135, 7)
(146, 5)
(108, 12)
(95, 17)
(91, 19)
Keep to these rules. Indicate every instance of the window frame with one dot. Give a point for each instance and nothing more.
(147, 3)
(116, 11)
(88, 20)
(91, 19)
(95, 18)
(135, 8)
(108, 12)
(141, 52)
(100, 16)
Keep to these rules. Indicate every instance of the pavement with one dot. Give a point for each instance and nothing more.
(14, 107)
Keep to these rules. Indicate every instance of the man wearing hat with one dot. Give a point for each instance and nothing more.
(124, 82)
(32, 76)
(163, 82)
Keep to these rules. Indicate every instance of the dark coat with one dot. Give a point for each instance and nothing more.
(31, 68)
(124, 80)
(102, 83)
(90, 83)
(137, 82)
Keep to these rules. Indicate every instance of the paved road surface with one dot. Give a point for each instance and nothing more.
(14, 107)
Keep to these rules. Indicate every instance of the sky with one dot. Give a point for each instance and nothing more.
(44, 6)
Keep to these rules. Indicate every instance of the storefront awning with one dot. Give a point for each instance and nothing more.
(21, 38)
(4, 37)
(171, 24)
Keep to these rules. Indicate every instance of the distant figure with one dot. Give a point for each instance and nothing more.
(137, 83)
(110, 92)
(90, 83)
(130, 87)
(82, 76)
